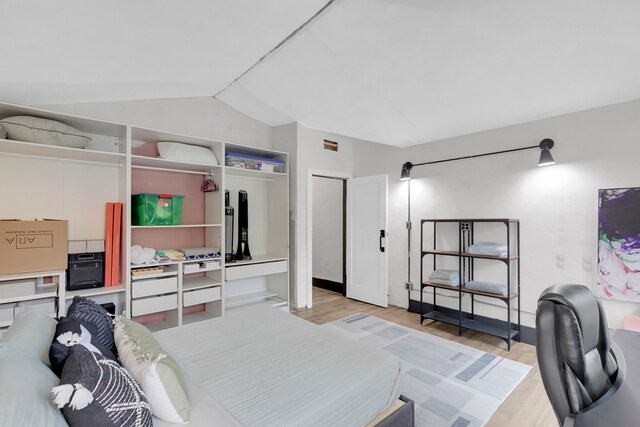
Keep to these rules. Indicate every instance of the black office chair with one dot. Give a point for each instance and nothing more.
(573, 348)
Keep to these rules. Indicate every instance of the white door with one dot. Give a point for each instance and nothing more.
(366, 239)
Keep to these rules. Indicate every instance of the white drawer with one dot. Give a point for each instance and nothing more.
(6, 312)
(145, 288)
(47, 306)
(201, 296)
(255, 270)
(144, 306)
(200, 267)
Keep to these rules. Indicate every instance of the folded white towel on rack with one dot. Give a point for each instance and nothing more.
(488, 248)
(454, 283)
(490, 287)
(453, 275)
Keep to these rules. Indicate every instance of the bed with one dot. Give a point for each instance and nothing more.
(259, 366)
(255, 366)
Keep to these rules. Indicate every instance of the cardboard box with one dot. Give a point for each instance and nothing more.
(32, 246)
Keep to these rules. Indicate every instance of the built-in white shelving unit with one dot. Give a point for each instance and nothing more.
(43, 291)
(94, 292)
(266, 276)
(121, 160)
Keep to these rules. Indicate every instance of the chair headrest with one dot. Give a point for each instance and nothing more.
(583, 303)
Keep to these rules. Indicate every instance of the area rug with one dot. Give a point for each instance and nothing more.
(451, 384)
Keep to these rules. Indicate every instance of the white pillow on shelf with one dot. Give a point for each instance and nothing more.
(186, 153)
(43, 131)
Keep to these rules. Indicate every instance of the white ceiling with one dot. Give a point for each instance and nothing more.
(400, 72)
(59, 52)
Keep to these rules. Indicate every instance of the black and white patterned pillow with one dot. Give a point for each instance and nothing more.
(96, 391)
(88, 311)
(70, 332)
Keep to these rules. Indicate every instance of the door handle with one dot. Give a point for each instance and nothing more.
(382, 236)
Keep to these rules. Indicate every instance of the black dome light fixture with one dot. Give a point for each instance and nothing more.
(546, 159)
(406, 171)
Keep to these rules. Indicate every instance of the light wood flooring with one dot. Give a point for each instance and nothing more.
(527, 406)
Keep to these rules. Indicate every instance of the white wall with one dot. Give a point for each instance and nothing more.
(204, 117)
(557, 205)
(327, 228)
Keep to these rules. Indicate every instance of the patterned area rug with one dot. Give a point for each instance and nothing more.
(451, 384)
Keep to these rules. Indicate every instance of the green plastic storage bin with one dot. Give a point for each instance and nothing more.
(176, 209)
(156, 209)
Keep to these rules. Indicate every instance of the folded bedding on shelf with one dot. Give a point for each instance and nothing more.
(452, 275)
(455, 283)
(488, 248)
(445, 277)
(490, 287)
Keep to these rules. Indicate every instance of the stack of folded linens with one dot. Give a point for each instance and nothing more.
(445, 277)
(489, 287)
(488, 248)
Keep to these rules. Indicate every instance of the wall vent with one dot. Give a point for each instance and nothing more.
(330, 145)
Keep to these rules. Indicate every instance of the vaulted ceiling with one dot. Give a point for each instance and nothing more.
(400, 72)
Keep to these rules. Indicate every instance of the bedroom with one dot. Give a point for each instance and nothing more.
(390, 81)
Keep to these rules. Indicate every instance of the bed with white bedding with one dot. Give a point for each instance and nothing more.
(259, 366)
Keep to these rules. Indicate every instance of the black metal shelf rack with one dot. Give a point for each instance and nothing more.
(466, 267)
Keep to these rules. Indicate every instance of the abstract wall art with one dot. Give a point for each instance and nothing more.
(619, 243)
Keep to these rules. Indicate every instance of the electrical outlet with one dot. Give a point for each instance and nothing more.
(408, 286)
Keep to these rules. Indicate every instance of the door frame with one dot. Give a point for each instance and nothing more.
(327, 174)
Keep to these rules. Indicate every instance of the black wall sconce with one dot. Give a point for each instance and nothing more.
(546, 159)
(545, 147)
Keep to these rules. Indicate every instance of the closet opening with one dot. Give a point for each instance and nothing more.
(329, 269)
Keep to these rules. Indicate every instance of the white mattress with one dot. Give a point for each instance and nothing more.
(269, 368)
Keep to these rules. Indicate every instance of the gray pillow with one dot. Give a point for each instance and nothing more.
(43, 131)
(31, 332)
(96, 391)
(25, 383)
